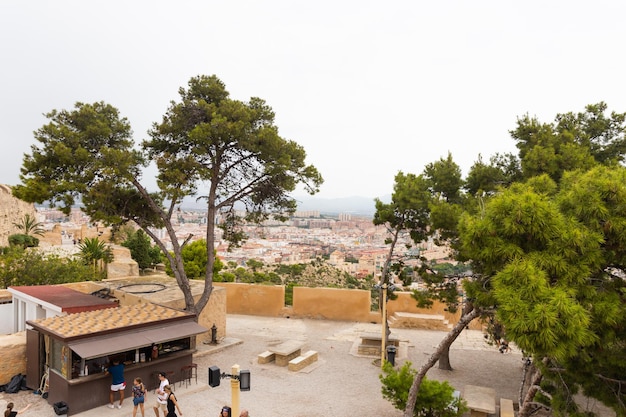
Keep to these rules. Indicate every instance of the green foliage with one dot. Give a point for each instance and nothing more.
(434, 399)
(23, 241)
(195, 260)
(501, 172)
(30, 267)
(550, 257)
(573, 141)
(225, 277)
(205, 138)
(30, 226)
(141, 249)
(444, 179)
(97, 253)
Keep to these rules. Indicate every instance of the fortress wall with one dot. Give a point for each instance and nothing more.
(11, 210)
(254, 300)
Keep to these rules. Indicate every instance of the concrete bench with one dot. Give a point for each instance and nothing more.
(371, 343)
(302, 361)
(506, 408)
(480, 400)
(266, 357)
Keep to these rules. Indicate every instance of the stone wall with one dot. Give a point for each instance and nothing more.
(11, 210)
(13, 348)
(123, 264)
(254, 300)
(332, 304)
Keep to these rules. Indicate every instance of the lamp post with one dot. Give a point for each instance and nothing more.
(239, 381)
(234, 389)
(384, 324)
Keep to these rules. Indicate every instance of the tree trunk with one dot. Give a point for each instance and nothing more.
(527, 407)
(444, 345)
(444, 359)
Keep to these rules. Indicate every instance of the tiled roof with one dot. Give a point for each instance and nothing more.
(105, 321)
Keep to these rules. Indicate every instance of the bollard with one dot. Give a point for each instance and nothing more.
(391, 355)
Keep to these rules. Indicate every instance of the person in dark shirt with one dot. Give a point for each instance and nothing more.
(117, 382)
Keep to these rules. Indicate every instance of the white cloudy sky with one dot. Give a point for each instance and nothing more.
(369, 88)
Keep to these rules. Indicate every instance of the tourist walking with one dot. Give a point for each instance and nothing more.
(161, 395)
(226, 411)
(172, 402)
(139, 393)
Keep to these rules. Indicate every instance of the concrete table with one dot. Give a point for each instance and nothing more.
(480, 400)
(286, 351)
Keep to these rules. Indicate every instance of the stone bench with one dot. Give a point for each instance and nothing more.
(506, 408)
(266, 357)
(371, 343)
(480, 400)
(302, 361)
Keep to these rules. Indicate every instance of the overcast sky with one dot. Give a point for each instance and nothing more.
(367, 88)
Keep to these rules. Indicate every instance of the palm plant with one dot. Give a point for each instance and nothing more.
(96, 252)
(29, 226)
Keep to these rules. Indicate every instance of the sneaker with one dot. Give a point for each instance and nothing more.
(110, 406)
(119, 406)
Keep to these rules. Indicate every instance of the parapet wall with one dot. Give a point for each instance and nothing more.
(322, 303)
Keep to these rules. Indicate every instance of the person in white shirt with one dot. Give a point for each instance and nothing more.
(161, 396)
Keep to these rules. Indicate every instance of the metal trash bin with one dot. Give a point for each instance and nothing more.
(60, 408)
(391, 355)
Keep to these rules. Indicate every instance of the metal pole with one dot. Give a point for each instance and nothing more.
(234, 387)
(384, 325)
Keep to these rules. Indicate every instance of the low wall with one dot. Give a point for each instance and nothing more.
(322, 303)
(254, 300)
(332, 304)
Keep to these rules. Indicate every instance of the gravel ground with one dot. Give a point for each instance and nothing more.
(341, 383)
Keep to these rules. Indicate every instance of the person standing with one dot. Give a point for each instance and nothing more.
(139, 392)
(161, 396)
(117, 382)
(172, 402)
(244, 413)
(226, 411)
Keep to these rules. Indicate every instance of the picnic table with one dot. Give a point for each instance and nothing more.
(286, 351)
(480, 400)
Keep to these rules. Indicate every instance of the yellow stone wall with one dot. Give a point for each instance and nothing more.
(11, 210)
(254, 300)
(331, 304)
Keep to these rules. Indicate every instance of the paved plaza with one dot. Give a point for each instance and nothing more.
(341, 383)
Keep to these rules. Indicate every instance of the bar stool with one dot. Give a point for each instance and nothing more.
(187, 372)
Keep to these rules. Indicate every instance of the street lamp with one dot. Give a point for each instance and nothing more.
(384, 287)
(239, 381)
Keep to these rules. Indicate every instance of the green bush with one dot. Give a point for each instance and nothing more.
(434, 398)
(24, 241)
(30, 267)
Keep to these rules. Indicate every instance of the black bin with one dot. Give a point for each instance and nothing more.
(391, 355)
(60, 408)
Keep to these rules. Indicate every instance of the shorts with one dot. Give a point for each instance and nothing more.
(118, 387)
(138, 400)
(162, 406)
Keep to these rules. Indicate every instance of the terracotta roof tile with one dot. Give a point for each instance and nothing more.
(90, 322)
